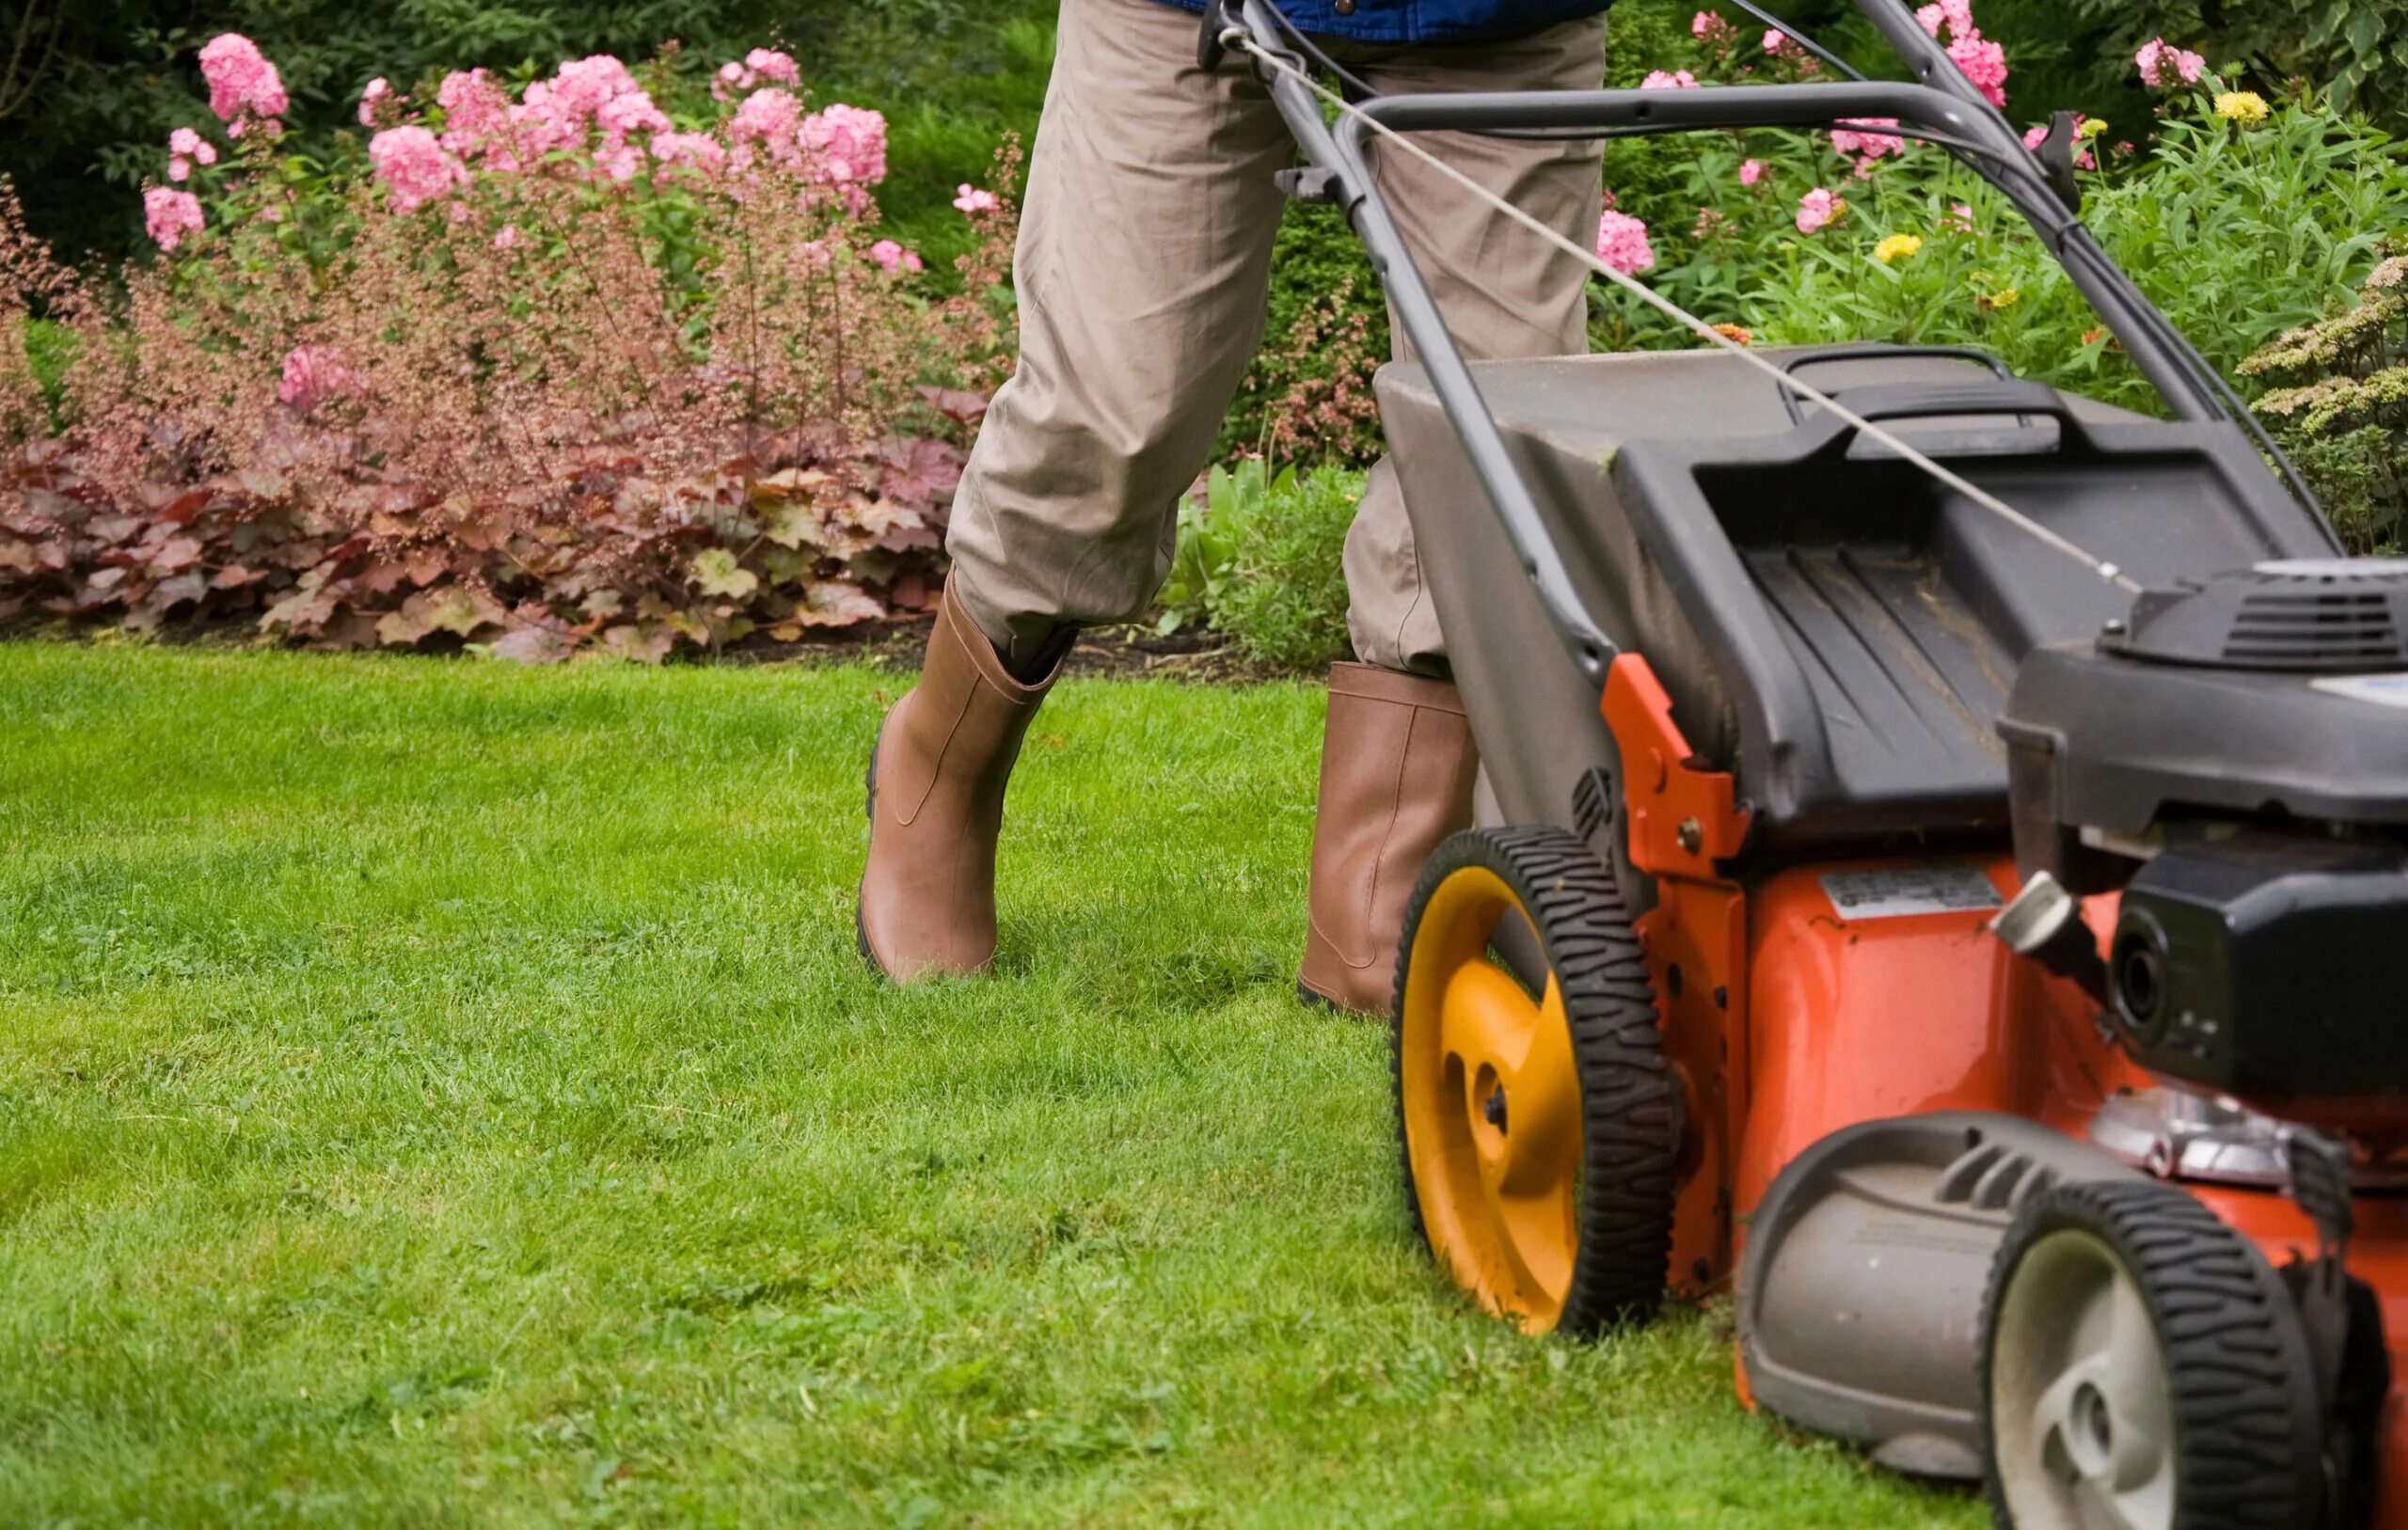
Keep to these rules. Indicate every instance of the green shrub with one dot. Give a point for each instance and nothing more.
(2354, 49)
(1261, 561)
(2237, 233)
(2343, 410)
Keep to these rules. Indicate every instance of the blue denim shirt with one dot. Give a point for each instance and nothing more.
(1426, 21)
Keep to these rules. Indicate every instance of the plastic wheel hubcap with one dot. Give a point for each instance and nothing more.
(2080, 1394)
(1492, 1104)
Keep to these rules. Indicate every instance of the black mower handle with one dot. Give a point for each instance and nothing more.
(1880, 402)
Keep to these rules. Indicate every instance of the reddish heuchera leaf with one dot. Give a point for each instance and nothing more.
(532, 646)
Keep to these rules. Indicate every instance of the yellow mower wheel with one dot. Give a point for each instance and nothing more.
(1540, 1132)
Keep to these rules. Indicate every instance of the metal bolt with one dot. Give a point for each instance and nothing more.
(2116, 628)
(1495, 1110)
(1692, 834)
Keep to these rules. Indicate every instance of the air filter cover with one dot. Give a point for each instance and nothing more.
(2322, 616)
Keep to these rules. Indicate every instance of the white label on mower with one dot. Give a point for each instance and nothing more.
(2381, 690)
(1945, 889)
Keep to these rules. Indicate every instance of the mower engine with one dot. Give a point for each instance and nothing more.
(2233, 760)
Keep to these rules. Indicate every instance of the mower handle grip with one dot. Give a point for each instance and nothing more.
(1881, 403)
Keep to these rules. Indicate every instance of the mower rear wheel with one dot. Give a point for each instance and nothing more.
(2143, 1368)
(1540, 1130)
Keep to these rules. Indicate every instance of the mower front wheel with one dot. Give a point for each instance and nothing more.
(2143, 1368)
(1540, 1129)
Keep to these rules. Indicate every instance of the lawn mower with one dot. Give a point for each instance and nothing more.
(1942, 852)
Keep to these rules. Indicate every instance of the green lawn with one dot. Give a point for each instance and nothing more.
(439, 1092)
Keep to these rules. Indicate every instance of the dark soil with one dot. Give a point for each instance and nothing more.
(1123, 652)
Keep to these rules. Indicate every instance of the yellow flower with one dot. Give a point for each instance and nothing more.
(2091, 127)
(1896, 247)
(2247, 107)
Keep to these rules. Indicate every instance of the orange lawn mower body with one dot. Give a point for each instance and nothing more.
(1941, 872)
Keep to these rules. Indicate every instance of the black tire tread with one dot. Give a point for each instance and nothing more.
(2244, 1410)
(1630, 1102)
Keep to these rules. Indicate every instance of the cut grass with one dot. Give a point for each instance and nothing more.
(444, 1094)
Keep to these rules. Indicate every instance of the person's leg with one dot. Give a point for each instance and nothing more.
(1504, 291)
(1143, 261)
(1397, 755)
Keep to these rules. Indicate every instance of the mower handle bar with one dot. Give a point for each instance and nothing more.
(1987, 396)
(1945, 103)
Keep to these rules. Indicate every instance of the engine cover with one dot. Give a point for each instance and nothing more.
(2279, 695)
(2267, 967)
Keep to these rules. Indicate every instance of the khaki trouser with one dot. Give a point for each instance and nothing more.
(1143, 267)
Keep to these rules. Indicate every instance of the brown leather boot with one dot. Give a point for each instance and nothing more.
(1397, 763)
(936, 804)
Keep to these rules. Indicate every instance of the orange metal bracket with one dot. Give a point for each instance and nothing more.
(1683, 816)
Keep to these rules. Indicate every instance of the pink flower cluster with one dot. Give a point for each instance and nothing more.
(1983, 62)
(1816, 209)
(476, 117)
(590, 95)
(1709, 27)
(186, 149)
(169, 215)
(2083, 156)
(313, 374)
(850, 142)
(735, 78)
(891, 256)
(1868, 147)
(244, 87)
(2163, 65)
(1750, 171)
(378, 98)
(1661, 80)
(974, 200)
(414, 165)
(1622, 244)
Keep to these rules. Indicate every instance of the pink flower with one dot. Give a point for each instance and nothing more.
(313, 374)
(698, 151)
(1958, 15)
(555, 113)
(186, 142)
(973, 199)
(169, 215)
(850, 142)
(476, 112)
(414, 167)
(508, 238)
(2083, 157)
(769, 117)
(1702, 25)
(242, 84)
(2162, 63)
(1622, 244)
(1775, 42)
(1709, 222)
(1750, 171)
(770, 64)
(1658, 80)
(891, 256)
(1870, 146)
(1817, 208)
(758, 65)
(1984, 63)
(379, 91)
(1959, 219)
